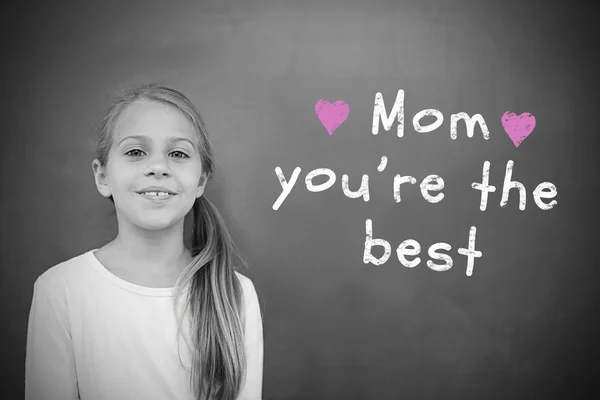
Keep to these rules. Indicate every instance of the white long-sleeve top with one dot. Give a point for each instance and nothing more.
(95, 336)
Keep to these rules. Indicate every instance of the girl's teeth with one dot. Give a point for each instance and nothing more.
(155, 194)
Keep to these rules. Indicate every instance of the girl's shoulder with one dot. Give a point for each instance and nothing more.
(248, 287)
(65, 270)
(244, 280)
(63, 277)
(247, 284)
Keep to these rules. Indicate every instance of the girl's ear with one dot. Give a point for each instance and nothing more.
(101, 179)
(201, 185)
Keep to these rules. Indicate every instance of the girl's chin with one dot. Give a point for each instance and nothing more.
(157, 223)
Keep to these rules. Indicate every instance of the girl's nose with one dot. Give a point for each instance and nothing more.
(158, 165)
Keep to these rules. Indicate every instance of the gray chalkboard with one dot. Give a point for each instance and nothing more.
(518, 327)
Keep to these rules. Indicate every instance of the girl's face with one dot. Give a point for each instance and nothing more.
(153, 145)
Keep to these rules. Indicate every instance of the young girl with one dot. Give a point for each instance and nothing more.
(143, 317)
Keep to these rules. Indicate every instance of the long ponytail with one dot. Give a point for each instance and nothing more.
(216, 306)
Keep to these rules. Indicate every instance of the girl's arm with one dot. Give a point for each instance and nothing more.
(253, 344)
(49, 361)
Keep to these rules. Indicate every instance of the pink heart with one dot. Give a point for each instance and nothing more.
(332, 115)
(518, 127)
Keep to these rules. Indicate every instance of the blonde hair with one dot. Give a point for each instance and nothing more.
(215, 295)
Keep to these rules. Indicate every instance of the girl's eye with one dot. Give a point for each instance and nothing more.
(176, 151)
(180, 152)
(130, 151)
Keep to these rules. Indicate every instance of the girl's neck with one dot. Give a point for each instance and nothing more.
(150, 257)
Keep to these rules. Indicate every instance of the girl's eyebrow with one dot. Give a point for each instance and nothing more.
(172, 139)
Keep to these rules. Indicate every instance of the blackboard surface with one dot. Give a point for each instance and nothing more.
(520, 326)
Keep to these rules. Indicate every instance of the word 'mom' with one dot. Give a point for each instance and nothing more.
(379, 114)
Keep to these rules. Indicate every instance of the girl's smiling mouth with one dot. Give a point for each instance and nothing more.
(156, 196)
